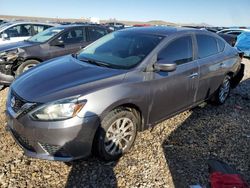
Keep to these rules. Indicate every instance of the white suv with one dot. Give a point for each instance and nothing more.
(19, 31)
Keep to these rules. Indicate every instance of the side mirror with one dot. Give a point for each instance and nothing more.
(163, 65)
(4, 36)
(58, 42)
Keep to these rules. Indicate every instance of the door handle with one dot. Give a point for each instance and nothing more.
(193, 75)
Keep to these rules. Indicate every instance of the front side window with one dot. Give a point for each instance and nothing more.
(207, 45)
(96, 33)
(122, 50)
(19, 31)
(73, 36)
(178, 51)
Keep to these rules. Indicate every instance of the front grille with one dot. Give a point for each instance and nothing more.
(23, 141)
(16, 102)
(55, 150)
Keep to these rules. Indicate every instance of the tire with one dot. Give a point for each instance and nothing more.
(111, 142)
(223, 92)
(25, 66)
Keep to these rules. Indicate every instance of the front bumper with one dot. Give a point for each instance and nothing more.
(54, 140)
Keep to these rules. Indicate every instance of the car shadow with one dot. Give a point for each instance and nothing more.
(91, 172)
(211, 132)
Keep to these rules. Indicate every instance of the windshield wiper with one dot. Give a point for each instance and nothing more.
(98, 63)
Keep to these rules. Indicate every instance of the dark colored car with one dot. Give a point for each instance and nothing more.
(125, 82)
(15, 58)
(114, 26)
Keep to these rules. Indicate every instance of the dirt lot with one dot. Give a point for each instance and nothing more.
(173, 154)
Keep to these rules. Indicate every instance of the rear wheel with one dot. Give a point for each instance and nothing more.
(223, 92)
(26, 66)
(116, 134)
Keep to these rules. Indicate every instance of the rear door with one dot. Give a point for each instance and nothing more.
(174, 91)
(73, 40)
(211, 62)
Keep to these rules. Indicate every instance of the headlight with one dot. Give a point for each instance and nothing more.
(59, 110)
(12, 55)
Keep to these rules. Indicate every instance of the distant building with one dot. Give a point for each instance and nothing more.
(95, 20)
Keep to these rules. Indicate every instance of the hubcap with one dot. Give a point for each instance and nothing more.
(119, 136)
(28, 67)
(224, 90)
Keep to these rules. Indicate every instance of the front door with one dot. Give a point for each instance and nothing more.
(73, 40)
(174, 91)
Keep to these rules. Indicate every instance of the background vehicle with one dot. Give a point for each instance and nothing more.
(115, 26)
(15, 58)
(243, 43)
(19, 31)
(235, 32)
(231, 39)
(125, 82)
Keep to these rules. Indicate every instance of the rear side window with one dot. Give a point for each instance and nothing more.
(96, 33)
(178, 51)
(221, 45)
(207, 45)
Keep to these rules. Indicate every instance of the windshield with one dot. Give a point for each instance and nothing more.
(3, 25)
(45, 35)
(121, 49)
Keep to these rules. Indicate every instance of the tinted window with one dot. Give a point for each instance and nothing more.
(19, 31)
(221, 45)
(96, 33)
(74, 36)
(234, 32)
(179, 51)
(39, 28)
(207, 45)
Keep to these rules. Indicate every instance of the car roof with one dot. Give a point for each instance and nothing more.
(234, 29)
(160, 30)
(77, 25)
(29, 22)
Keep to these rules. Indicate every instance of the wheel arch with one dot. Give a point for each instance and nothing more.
(133, 107)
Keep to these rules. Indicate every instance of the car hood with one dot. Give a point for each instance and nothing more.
(14, 45)
(63, 77)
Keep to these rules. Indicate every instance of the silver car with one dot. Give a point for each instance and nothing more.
(98, 99)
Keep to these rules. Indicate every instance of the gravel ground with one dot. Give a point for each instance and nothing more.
(173, 154)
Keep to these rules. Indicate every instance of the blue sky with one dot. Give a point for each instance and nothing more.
(214, 12)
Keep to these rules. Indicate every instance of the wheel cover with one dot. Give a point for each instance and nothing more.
(119, 136)
(28, 67)
(224, 90)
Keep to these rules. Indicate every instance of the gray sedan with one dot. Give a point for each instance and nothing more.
(98, 99)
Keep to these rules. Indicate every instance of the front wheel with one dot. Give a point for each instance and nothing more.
(117, 134)
(223, 91)
(26, 66)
